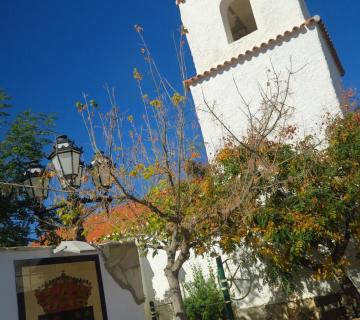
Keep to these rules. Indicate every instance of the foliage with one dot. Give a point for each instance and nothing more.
(24, 141)
(182, 203)
(308, 211)
(293, 201)
(203, 297)
(3, 105)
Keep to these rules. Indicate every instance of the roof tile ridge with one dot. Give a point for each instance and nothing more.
(312, 20)
(331, 45)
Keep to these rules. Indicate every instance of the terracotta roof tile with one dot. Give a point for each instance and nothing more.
(98, 226)
(312, 21)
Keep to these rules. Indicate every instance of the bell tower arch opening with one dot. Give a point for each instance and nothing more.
(238, 18)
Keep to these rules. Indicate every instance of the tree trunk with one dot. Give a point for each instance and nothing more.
(79, 231)
(176, 298)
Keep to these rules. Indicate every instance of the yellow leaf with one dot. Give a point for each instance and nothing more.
(137, 75)
(156, 103)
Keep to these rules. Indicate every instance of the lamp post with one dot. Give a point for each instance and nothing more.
(37, 187)
(70, 169)
(66, 160)
(36, 183)
(100, 170)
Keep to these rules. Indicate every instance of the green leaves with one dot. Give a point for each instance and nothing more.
(94, 104)
(4, 98)
(24, 141)
(137, 75)
(312, 200)
(203, 297)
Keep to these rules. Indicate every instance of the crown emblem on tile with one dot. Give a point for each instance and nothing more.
(63, 293)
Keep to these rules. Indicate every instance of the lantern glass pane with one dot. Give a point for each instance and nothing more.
(66, 164)
(45, 192)
(40, 188)
(79, 176)
(105, 176)
(29, 190)
(37, 183)
(76, 162)
(96, 178)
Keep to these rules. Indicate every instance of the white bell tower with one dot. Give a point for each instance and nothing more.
(236, 41)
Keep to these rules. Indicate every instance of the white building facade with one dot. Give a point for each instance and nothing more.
(235, 42)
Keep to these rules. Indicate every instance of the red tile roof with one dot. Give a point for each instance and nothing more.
(316, 20)
(100, 225)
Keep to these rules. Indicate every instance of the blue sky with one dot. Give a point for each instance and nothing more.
(52, 51)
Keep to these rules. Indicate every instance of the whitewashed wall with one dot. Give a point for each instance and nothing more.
(120, 304)
(207, 36)
(154, 281)
(256, 294)
(315, 89)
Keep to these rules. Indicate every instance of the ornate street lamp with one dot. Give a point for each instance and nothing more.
(36, 183)
(66, 160)
(100, 170)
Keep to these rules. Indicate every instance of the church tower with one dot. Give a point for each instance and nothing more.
(233, 44)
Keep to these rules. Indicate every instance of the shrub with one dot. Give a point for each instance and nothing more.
(203, 297)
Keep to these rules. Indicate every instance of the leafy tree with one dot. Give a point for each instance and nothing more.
(203, 297)
(24, 140)
(181, 203)
(309, 209)
(293, 201)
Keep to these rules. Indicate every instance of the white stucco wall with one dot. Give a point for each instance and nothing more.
(207, 35)
(119, 302)
(255, 293)
(315, 89)
(155, 282)
(154, 279)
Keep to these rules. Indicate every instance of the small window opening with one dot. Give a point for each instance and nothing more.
(241, 19)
